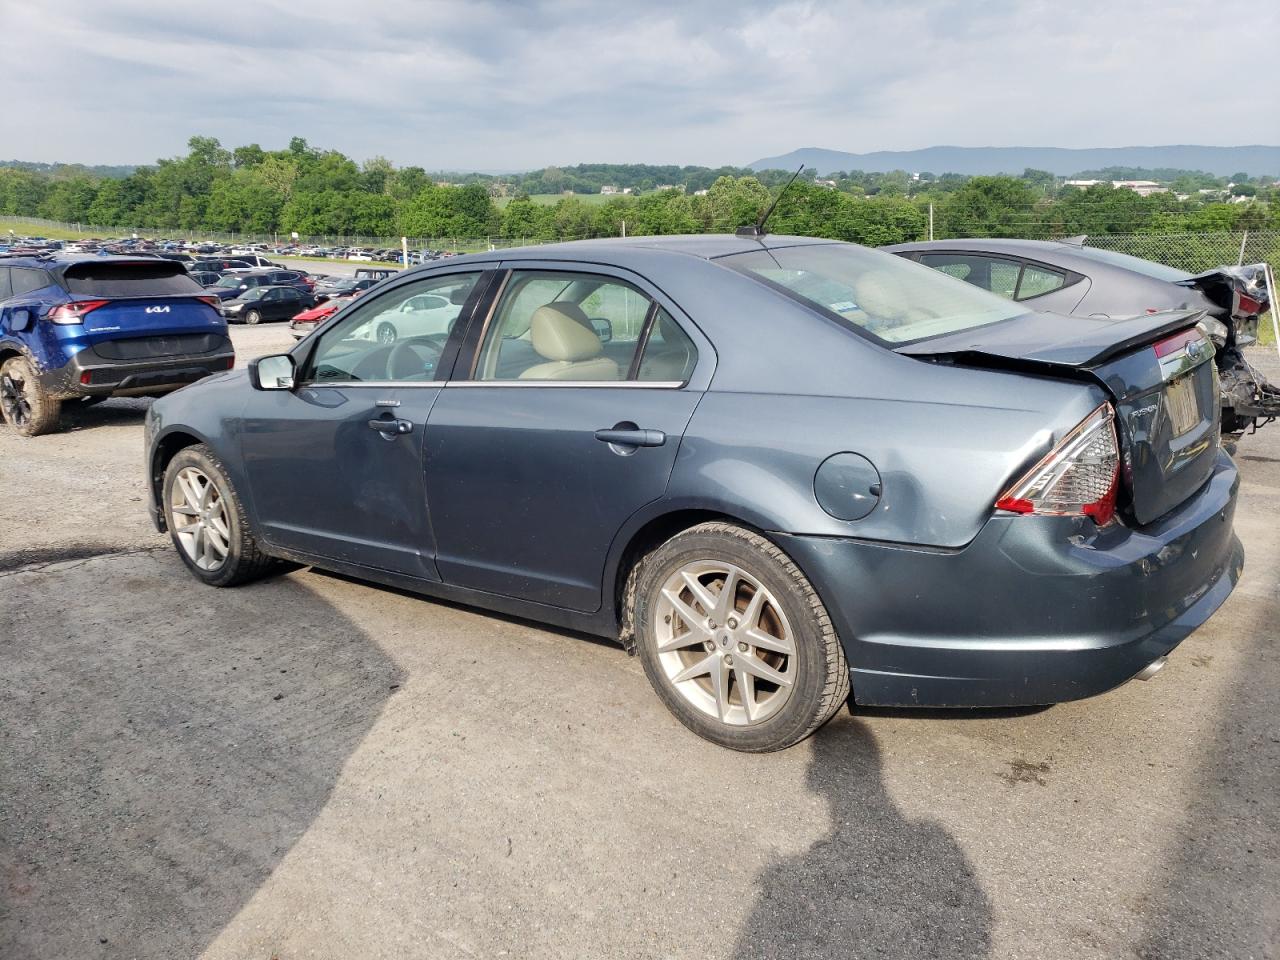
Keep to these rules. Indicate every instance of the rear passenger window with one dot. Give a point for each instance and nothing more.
(669, 355)
(26, 279)
(5, 289)
(989, 273)
(564, 327)
(1037, 280)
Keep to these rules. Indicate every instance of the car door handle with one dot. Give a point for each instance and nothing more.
(391, 428)
(634, 437)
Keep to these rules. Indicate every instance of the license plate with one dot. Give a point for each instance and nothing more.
(1180, 401)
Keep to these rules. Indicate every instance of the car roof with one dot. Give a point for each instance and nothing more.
(1054, 252)
(59, 262)
(633, 251)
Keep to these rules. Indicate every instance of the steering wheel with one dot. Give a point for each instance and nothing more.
(409, 358)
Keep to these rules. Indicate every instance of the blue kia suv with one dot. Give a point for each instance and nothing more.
(99, 327)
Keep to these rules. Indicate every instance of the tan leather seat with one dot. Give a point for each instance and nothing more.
(562, 335)
(671, 359)
(882, 299)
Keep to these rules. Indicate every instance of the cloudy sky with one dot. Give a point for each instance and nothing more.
(504, 85)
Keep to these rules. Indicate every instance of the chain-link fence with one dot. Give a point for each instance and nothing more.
(1196, 252)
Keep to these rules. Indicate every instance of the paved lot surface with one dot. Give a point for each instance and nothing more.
(311, 767)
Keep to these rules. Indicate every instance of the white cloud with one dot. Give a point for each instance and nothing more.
(498, 85)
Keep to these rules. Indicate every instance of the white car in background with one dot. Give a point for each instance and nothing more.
(425, 315)
(359, 255)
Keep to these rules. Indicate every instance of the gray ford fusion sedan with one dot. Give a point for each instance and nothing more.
(779, 469)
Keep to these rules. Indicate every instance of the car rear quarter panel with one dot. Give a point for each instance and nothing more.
(791, 388)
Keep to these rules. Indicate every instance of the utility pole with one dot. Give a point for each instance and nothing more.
(930, 221)
(624, 228)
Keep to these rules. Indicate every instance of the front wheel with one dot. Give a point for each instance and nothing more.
(253, 316)
(386, 333)
(23, 402)
(207, 521)
(735, 640)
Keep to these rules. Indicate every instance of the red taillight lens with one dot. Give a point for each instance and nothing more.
(211, 301)
(75, 312)
(1078, 477)
(1177, 342)
(1247, 305)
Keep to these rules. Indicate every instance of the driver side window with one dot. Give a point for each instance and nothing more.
(396, 336)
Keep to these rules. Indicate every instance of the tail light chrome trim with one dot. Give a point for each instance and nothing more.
(1078, 477)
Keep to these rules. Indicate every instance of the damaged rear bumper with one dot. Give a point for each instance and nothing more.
(1035, 610)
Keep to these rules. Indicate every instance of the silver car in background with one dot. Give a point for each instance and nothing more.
(1067, 277)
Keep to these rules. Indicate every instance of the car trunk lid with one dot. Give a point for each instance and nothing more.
(1157, 369)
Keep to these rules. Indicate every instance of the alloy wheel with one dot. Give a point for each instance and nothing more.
(198, 516)
(386, 333)
(724, 643)
(14, 400)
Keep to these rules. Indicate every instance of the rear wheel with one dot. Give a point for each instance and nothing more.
(26, 406)
(735, 640)
(253, 316)
(207, 521)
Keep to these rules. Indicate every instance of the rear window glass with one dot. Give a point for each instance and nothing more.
(1157, 271)
(892, 299)
(162, 279)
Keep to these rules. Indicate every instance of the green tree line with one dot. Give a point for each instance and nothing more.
(325, 193)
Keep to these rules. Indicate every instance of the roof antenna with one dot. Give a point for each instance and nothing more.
(757, 229)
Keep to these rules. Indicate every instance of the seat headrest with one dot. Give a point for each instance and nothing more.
(561, 331)
(878, 296)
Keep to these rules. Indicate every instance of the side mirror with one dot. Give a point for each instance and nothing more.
(603, 328)
(272, 373)
(19, 319)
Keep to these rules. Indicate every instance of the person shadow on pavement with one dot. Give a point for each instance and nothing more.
(878, 884)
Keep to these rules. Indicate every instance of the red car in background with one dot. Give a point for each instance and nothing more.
(306, 321)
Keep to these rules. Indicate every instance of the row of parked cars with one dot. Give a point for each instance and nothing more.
(727, 452)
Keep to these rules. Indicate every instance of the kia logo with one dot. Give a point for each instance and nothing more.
(164, 309)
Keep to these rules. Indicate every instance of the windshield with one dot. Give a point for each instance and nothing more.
(1157, 271)
(254, 294)
(230, 282)
(888, 297)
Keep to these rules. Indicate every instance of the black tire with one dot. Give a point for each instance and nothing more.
(821, 674)
(245, 560)
(24, 404)
(253, 317)
(386, 333)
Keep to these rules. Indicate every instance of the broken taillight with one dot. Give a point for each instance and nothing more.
(1078, 477)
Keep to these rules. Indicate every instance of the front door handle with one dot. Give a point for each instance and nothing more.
(632, 437)
(391, 428)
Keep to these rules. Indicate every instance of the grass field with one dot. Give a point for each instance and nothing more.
(551, 199)
(27, 228)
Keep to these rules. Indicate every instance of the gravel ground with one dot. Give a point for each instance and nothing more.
(312, 767)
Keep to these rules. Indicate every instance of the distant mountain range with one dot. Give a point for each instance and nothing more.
(1219, 161)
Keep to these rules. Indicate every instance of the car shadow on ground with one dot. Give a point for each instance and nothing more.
(162, 747)
(870, 880)
(126, 412)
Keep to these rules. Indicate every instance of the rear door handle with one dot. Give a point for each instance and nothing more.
(632, 437)
(391, 428)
